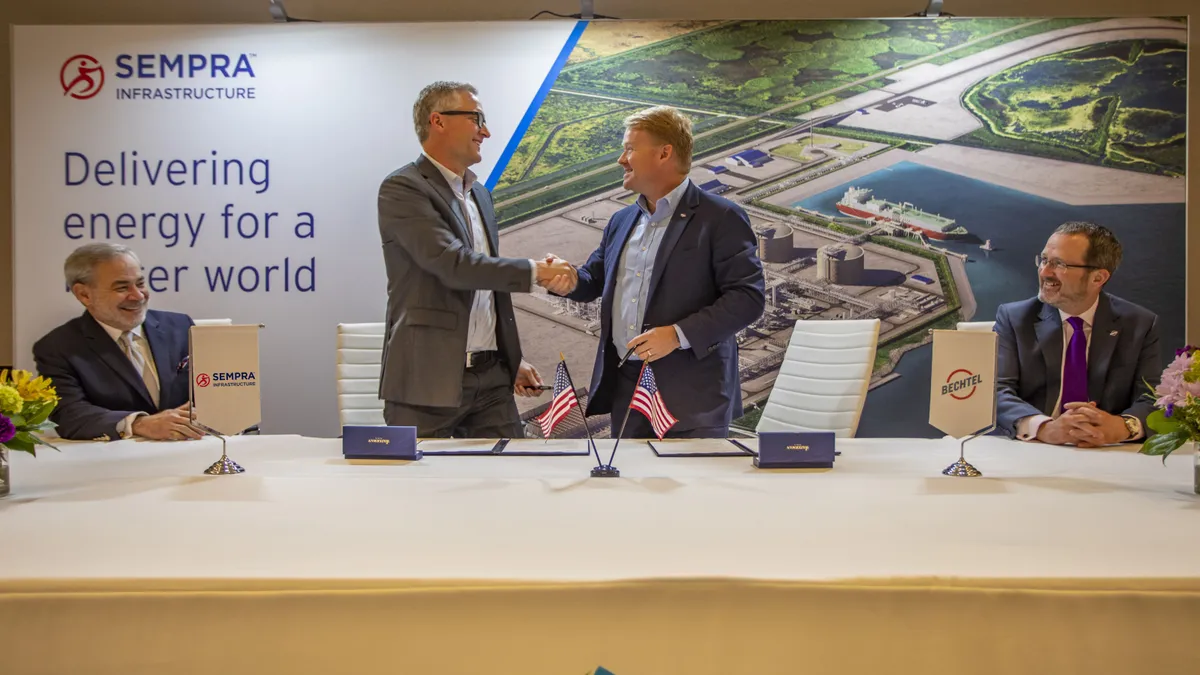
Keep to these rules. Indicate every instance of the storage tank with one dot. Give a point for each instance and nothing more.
(775, 244)
(841, 264)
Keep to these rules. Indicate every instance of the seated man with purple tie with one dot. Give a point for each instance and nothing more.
(1073, 363)
(120, 369)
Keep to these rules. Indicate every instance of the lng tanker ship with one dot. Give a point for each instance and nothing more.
(859, 203)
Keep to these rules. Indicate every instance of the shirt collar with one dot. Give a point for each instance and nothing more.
(665, 206)
(115, 333)
(1089, 317)
(455, 181)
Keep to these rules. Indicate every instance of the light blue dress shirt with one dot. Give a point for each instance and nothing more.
(636, 267)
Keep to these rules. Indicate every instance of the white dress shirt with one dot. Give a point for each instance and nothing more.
(481, 330)
(1027, 427)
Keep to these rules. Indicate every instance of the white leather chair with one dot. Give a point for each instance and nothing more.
(976, 325)
(359, 356)
(822, 384)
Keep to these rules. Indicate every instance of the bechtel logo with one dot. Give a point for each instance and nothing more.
(960, 380)
(81, 77)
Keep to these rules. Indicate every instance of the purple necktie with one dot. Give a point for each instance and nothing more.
(1075, 383)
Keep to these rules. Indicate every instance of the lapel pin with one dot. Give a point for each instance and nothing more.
(1112, 333)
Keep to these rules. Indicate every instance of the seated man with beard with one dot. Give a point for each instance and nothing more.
(120, 369)
(1073, 364)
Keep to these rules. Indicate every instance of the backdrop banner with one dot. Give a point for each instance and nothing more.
(905, 169)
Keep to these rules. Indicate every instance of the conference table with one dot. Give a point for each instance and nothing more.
(124, 558)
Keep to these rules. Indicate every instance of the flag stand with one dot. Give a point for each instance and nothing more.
(962, 467)
(608, 470)
(223, 466)
(583, 413)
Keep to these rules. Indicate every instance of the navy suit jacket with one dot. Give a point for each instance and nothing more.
(98, 385)
(1123, 355)
(707, 279)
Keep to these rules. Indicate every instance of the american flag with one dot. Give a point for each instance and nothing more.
(564, 400)
(648, 401)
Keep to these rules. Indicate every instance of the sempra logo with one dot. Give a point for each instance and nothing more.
(229, 379)
(81, 77)
(161, 66)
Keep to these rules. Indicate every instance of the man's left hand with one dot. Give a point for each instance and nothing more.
(1101, 429)
(655, 343)
(527, 376)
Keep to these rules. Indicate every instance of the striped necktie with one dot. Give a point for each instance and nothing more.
(139, 364)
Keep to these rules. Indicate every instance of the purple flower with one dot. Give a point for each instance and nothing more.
(1170, 409)
(7, 429)
(1185, 351)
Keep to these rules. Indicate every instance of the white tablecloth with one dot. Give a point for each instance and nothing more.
(144, 510)
(123, 558)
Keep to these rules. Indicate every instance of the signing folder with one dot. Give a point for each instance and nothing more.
(701, 447)
(504, 447)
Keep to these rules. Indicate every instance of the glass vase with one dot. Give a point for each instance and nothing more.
(4, 486)
(1191, 445)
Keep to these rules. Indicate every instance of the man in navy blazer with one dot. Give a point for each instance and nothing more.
(120, 369)
(1035, 397)
(678, 276)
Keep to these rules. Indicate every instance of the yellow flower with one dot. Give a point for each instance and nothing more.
(30, 388)
(10, 401)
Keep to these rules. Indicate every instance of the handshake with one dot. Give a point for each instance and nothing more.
(556, 275)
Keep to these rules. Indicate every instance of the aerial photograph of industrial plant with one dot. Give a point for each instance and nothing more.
(907, 170)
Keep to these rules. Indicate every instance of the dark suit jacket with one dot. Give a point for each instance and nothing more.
(707, 279)
(1123, 356)
(433, 273)
(98, 385)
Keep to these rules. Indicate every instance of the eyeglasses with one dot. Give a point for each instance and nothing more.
(480, 120)
(1058, 265)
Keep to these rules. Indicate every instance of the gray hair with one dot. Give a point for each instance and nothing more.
(1103, 251)
(434, 97)
(82, 262)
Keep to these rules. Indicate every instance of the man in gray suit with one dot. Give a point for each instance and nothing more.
(1073, 363)
(451, 354)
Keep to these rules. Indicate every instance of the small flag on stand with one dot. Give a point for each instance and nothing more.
(648, 401)
(564, 400)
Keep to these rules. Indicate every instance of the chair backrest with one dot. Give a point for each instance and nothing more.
(822, 384)
(985, 326)
(213, 322)
(359, 357)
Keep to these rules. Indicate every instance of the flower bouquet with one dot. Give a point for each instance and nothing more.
(1177, 397)
(25, 406)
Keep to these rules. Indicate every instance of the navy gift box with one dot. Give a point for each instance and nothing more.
(361, 442)
(795, 450)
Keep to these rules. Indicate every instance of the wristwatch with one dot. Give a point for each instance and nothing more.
(1132, 424)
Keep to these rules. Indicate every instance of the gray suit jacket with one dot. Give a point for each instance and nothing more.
(432, 274)
(1123, 356)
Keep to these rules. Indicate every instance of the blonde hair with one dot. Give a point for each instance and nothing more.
(668, 126)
